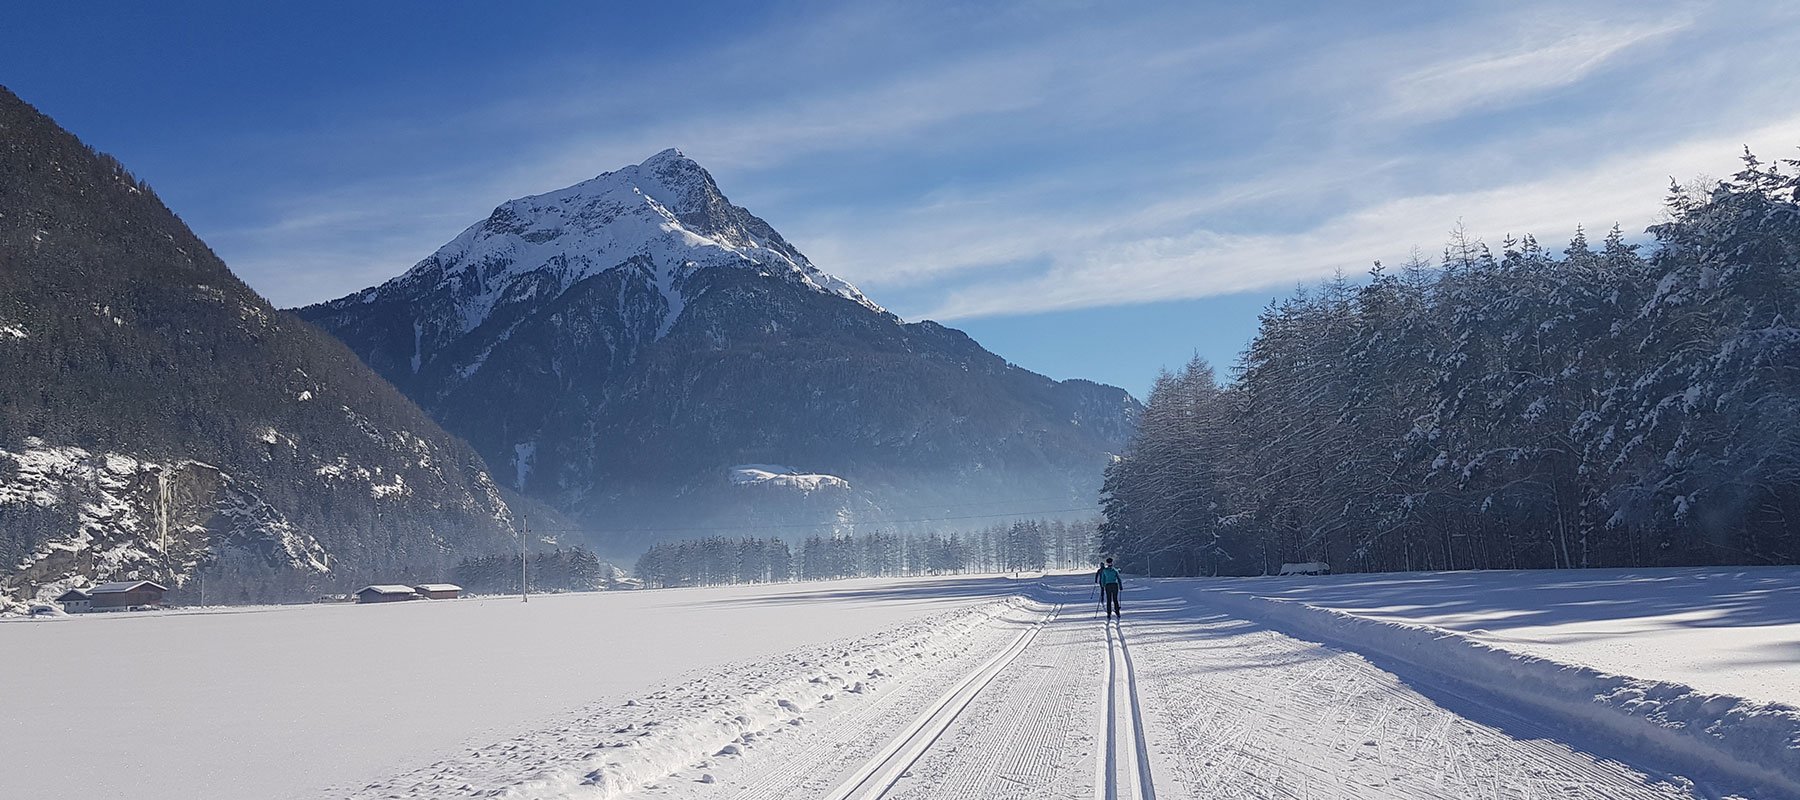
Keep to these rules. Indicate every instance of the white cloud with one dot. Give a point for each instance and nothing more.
(1490, 80)
(1626, 188)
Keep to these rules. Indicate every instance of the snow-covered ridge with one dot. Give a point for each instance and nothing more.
(775, 476)
(665, 212)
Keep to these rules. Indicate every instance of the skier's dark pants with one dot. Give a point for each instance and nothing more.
(1111, 590)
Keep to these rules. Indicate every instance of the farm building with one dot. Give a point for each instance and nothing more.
(439, 591)
(74, 601)
(385, 593)
(125, 595)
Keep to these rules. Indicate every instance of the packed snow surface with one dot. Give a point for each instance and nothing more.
(894, 689)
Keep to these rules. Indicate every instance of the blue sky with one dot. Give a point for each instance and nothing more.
(1091, 189)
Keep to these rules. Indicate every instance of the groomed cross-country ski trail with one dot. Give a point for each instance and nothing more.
(1036, 696)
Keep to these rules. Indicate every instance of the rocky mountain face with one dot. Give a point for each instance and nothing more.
(640, 353)
(159, 420)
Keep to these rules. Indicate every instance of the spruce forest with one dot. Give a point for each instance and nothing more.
(1025, 545)
(1615, 405)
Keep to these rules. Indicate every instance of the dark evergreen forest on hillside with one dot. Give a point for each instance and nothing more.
(1611, 405)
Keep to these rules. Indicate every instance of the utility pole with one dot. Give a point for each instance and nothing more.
(524, 530)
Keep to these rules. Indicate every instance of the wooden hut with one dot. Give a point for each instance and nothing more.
(126, 596)
(74, 601)
(439, 591)
(385, 593)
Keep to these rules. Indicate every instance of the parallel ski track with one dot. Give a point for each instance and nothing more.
(1132, 757)
(877, 777)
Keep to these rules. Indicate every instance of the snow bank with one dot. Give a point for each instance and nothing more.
(1721, 630)
(1715, 733)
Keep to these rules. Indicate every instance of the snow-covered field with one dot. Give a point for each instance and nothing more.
(289, 702)
(930, 688)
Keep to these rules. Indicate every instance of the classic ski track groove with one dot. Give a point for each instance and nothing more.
(1135, 760)
(1027, 736)
(822, 757)
(879, 774)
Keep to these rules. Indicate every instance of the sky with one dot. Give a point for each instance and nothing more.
(1090, 189)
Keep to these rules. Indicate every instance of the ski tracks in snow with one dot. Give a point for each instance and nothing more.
(1247, 712)
(879, 775)
(1035, 699)
(1123, 770)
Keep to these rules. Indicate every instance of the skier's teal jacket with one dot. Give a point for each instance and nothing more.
(1106, 575)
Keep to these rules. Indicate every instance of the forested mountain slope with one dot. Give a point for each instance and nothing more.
(158, 418)
(1610, 406)
(641, 353)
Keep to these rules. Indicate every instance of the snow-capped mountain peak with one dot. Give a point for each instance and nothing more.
(665, 215)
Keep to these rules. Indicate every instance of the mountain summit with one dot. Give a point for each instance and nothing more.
(629, 348)
(665, 217)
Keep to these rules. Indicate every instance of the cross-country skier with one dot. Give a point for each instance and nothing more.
(1109, 581)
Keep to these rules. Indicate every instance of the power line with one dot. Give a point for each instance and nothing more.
(816, 524)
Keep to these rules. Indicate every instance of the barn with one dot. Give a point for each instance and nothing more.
(126, 595)
(385, 593)
(439, 591)
(74, 601)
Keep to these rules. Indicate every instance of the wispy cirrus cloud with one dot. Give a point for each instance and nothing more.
(1624, 189)
(1495, 78)
(1034, 157)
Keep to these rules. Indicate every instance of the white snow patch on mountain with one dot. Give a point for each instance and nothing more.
(397, 488)
(784, 478)
(12, 332)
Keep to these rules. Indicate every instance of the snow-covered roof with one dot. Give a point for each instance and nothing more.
(121, 587)
(72, 594)
(386, 588)
(438, 587)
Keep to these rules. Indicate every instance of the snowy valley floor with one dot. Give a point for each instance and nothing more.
(1345, 687)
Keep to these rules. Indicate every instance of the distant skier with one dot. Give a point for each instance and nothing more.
(1109, 581)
